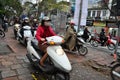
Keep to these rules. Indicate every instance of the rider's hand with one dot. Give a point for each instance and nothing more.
(43, 39)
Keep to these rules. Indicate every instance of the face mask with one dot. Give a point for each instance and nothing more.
(47, 23)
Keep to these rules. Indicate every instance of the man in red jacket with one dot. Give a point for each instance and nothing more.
(44, 30)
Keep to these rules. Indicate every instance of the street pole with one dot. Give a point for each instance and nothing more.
(80, 11)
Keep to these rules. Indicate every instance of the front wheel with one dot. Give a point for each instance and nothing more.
(60, 76)
(94, 43)
(111, 46)
(115, 72)
(82, 50)
(2, 34)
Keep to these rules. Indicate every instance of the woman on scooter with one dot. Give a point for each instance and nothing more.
(43, 31)
(70, 37)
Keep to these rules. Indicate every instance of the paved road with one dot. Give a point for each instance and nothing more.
(15, 66)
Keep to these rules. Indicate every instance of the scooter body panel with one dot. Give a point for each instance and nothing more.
(31, 50)
(60, 60)
(27, 33)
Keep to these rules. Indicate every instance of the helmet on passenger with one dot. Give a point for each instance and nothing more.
(26, 19)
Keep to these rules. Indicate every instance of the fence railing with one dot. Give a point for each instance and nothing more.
(59, 21)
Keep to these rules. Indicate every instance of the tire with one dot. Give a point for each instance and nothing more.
(15, 34)
(29, 58)
(91, 41)
(2, 34)
(60, 76)
(111, 46)
(115, 69)
(82, 50)
(94, 43)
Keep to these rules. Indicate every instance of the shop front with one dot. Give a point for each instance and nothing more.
(99, 25)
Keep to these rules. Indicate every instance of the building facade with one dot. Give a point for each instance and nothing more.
(97, 10)
(100, 16)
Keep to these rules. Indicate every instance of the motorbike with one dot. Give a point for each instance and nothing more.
(57, 64)
(96, 42)
(79, 47)
(16, 28)
(27, 33)
(115, 67)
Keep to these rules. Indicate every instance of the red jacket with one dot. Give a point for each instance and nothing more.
(43, 32)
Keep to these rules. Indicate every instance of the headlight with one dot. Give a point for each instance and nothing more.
(52, 43)
(60, 51)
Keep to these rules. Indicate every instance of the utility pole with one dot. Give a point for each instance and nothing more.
(80, 11)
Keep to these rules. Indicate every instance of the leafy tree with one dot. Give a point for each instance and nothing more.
(50, 5)
(10, 7)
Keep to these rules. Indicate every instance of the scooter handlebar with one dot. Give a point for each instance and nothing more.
(44, 43)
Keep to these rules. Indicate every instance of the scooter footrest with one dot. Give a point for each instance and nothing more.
(48, 68)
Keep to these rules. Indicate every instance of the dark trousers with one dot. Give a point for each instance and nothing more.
(103, 41)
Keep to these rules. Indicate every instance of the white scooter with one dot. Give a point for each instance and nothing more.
(57, 63)
(26, 33)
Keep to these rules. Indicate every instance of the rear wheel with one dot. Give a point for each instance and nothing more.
(94, 43)
(111, 46)
(115, 72)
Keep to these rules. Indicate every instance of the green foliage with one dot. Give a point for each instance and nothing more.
(10, 6)
(48, 5)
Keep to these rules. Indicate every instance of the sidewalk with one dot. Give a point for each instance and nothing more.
(14, 65)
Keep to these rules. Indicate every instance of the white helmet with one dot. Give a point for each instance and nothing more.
(26, 19)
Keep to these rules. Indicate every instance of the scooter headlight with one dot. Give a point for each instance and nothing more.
(52, 43)
(60, 51)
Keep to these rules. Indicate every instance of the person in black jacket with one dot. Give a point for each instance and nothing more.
(86, 33)
(103, 37)
(25, 23)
